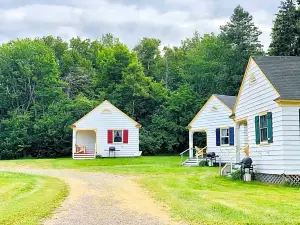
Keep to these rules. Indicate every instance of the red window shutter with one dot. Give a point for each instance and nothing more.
(125, 136)
(109, 136)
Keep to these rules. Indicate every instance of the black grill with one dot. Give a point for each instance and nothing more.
(247, 167)
(247, 162)
(112, 149)
(211, 155)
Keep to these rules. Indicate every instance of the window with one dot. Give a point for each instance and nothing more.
(106, 111)
(252, 78)
(263, 128)
(224, 136)
(214, 108)
(118, 136)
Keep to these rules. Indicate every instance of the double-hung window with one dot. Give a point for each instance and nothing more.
(118, 136)
(263, 128)
(224, 136)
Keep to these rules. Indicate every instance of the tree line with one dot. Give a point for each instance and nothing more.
(47, 83)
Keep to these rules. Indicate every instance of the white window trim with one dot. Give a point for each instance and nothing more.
(113, 136)
(223, 128)
(260, 136)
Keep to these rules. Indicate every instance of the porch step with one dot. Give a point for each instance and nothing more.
(84, 156)
(192, 162)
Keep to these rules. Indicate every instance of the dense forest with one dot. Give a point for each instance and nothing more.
(48, 83)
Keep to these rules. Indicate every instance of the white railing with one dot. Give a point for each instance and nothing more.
(182, 153)
(230, 151)
(244, 149)
(197, 154)
(224, 169)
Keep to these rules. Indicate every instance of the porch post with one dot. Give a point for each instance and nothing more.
(191, 143)
(237, 141)
(73, 143)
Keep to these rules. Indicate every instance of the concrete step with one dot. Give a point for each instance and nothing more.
(192, 162)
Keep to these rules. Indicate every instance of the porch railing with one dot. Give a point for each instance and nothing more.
(244, 149)
(182, 153)
(198, 152)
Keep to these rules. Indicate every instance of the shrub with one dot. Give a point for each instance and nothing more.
(98, 156)
(203, 163)
(236, 175)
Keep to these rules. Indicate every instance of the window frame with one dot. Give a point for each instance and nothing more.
(113, 136)
(214, 108)
(252, 79)
(262, 128)
(221, 136)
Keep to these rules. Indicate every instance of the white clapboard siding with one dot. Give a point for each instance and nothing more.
(253, 99)
(109, 119)
(291, 139)
(209, 121)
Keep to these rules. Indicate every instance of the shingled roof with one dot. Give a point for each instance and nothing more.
(284, 74)
(227, 100)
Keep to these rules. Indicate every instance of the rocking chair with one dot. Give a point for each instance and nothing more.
(200, 152)
(80, 149)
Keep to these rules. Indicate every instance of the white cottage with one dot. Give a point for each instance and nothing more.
(213, 119)
(105, 131)
(268, 107)
(265, 120)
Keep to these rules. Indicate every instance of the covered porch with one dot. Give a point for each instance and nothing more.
(242, 140)
(195, 143)
(195, 152)
(84, 143)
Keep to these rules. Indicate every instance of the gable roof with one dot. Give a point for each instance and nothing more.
(136, 123)
(227, 101)
(284, 74)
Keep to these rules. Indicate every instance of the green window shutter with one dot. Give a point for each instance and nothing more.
(257, 134)
(270, 127)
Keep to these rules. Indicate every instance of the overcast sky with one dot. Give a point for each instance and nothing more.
(130, 20)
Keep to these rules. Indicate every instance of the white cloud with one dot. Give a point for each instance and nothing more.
(169, 20)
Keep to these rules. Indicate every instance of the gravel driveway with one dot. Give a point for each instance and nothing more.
(99, 198)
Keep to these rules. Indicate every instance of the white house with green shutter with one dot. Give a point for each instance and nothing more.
(213, 120)
(105, 131)
(267, 110)
(265, 116)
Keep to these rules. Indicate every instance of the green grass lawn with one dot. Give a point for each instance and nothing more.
(27, 199)
(196, 195)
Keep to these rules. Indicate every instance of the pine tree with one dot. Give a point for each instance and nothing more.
(242, 34)
(285, 33)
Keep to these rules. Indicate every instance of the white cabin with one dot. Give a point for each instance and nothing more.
(268, 104)
(213, 119)
(266, 117)
(104, 127)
